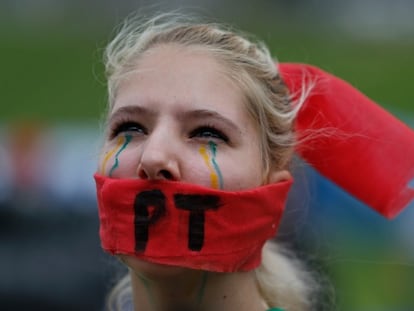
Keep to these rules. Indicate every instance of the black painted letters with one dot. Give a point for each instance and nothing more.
(196, 205)
(149, 206)
(143, 201)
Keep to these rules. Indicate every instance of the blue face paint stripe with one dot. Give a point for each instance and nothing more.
(213, 148)
(128, 139)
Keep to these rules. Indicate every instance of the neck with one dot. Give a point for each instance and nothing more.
(192, 290)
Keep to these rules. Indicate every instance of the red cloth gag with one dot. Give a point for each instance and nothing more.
(352, 141)
(186, 225)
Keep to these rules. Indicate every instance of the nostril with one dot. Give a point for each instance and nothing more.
(154, 174)
(142, 174)
(166, 174)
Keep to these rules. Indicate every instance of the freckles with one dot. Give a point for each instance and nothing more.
(210, 160)
(121, 143)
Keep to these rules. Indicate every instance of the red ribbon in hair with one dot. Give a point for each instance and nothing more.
(352, 141)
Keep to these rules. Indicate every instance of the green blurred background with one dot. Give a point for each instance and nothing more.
(51, 61)
(52, 75)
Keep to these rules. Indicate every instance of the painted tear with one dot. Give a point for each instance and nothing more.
(110, 153)
(213, 149)
(210, 160)
(125, 140)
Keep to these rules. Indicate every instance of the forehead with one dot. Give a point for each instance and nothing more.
(177, 77)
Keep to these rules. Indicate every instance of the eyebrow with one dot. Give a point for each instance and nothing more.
(210, 114)
(131, 110)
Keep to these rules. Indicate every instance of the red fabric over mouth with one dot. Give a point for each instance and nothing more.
(234, 230)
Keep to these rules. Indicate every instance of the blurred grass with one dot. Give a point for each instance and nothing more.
(368, 285)
(50, 77)
(382, 282)
(57, 76)
(381, 70)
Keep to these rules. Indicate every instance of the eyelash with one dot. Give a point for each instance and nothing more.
(127, 126)
(213, 133)
(199, 132)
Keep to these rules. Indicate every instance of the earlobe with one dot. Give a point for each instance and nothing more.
(278, 176)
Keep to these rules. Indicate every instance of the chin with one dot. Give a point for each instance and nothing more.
(152, 270)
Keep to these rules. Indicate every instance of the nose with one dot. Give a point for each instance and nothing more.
(158, 160)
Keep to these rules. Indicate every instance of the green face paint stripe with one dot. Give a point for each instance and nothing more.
(128, 139)
(201, 291)
(147, 286)
(110, 153)
(213, 149)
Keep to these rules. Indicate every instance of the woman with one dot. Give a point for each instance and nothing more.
(194, 171)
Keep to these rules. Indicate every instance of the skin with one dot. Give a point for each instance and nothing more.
(176, 101)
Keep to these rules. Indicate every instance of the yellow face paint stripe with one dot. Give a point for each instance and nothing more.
(213, 175)
(111, 153)
(127, 140)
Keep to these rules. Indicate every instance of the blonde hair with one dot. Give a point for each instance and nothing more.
(246, 62)
(282, 281)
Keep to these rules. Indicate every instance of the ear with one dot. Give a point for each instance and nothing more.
(278, 176)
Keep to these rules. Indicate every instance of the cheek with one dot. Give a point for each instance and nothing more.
(117, 160)
(242, 170)
(224, 169)
(240, 176)
(195, 171)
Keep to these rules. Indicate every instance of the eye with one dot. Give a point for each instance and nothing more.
(208, 132)
(129, 127)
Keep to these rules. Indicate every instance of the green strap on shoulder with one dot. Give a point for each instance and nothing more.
(275, 309)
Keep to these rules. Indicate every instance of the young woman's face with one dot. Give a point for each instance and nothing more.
(178, 117)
